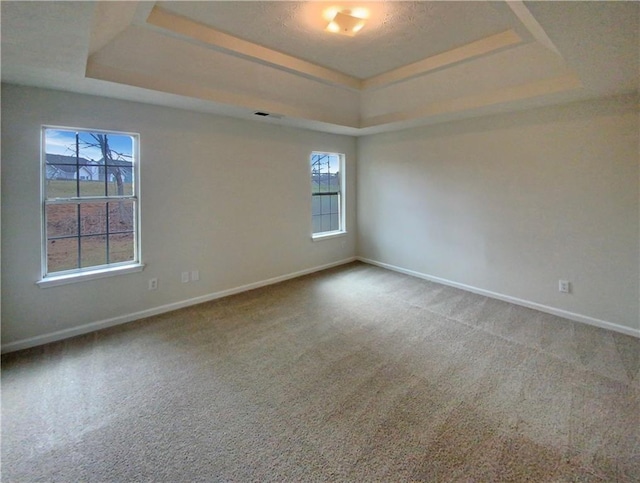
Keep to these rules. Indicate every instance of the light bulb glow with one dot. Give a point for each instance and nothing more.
(330, 13)
(360, 12)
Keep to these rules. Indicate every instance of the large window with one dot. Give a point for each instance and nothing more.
(327, 193)
(90, 202)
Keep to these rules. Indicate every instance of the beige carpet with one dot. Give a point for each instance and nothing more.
(353, 374)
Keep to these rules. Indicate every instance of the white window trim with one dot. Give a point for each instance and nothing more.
(92, 273)
(327, 235)
(99, 271)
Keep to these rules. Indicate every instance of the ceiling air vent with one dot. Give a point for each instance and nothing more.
(268, 114)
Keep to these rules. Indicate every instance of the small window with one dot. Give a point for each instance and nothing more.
(90, 201)
(327, 194)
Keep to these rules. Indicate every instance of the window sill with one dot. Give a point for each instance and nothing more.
(66, 279)
(328, 235)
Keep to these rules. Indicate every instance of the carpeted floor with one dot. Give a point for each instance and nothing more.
(352, 374)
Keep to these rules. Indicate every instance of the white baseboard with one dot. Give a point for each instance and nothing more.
(507, 298)
(103, 324)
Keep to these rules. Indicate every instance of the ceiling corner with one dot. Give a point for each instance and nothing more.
(109, 20)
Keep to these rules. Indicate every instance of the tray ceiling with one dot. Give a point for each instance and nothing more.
(398, 33)
(413, 63)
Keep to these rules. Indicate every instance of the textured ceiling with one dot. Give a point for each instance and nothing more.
(414, 63)
(397, 34)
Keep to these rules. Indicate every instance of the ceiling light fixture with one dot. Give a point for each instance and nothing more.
(347, 22)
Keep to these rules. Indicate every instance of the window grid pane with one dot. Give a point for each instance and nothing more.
(93, 218)
(93, 251)
(62, 254)
(121, 247)
(62, 220)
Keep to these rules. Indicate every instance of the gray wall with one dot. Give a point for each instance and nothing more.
(513, 203)
(228, 197)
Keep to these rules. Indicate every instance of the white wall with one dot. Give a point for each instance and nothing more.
(513, 203)
(227, 197)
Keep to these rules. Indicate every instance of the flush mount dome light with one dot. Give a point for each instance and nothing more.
(347, 22)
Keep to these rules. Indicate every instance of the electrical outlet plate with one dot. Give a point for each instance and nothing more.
(153, 284)
(564, 286)
(195, 275)
(185, 277)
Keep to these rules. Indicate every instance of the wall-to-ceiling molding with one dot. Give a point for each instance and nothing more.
(489, 98)
(223, 66)
(532, 25)
(247, 101)
(203, 34)
(237, 46)
(422, 62)
(167, 64)
(444, 59)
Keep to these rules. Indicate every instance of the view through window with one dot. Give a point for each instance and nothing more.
(90, 200)
(327, 207)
